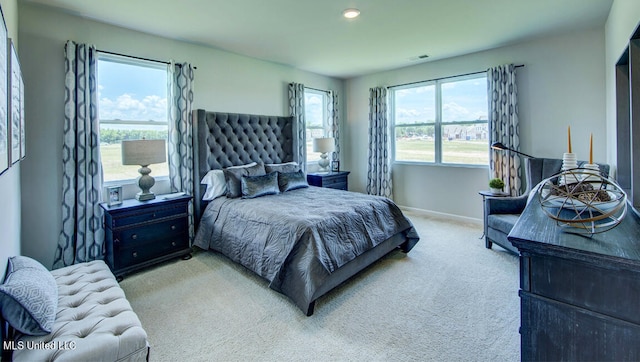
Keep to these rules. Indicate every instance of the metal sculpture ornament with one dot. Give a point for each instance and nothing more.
(582, 201)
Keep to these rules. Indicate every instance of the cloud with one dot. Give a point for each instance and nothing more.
(452, 111)
(129, 107)
(412, 115)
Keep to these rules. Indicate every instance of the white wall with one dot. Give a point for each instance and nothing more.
(223, 82)
(10, 180)
(561, 84)
(623, 19)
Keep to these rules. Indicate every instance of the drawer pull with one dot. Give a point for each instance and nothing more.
(135, 254)
(153, 215)
(134, 236)
(173, 243)
(173, 227)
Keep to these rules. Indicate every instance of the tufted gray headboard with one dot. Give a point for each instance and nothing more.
(230, 139)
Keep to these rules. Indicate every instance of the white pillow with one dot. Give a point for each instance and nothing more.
(216, 185)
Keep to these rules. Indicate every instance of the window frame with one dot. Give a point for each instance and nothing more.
(326, 123)
(438, 123)
(133, 61)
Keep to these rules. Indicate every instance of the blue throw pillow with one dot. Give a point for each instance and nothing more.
(233, 175)
(282, 167)
(29, 296)
(256, 186)
(288, 181)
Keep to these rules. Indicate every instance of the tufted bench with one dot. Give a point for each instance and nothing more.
(93, 322)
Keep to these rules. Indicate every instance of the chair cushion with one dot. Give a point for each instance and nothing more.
(502, 222)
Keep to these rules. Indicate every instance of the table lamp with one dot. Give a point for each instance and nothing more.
(144, 153)
(323, 145)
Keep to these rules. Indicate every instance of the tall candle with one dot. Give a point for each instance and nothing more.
(591, 149)
(569, 136)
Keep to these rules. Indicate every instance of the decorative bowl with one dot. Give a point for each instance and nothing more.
(592, 204)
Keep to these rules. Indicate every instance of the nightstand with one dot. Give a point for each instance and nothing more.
(334, 180)
(139, 234)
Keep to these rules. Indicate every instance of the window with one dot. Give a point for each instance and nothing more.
(317, 123)
(132, 104)
(441, 121)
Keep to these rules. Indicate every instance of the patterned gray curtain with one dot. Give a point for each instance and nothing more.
(334, 122)
(181, 132)
(296, 109)
(379, 173)
(503, 124)
(82, 234)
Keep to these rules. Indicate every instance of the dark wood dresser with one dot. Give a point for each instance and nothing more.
(334, 180)
(138, 234)
(579, 295)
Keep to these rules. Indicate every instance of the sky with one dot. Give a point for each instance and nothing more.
(313, 108)
(130, 92)
(462, 100)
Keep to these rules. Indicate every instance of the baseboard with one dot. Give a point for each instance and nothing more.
(442, 215)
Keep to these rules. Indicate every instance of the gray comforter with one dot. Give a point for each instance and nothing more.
(301, 236)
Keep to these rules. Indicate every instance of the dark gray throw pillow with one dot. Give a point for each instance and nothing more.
(282, 167)
(29, 296)
(256, 186)
(288, 181)
(233, 176)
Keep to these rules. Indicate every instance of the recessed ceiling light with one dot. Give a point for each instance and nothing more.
(351, 13)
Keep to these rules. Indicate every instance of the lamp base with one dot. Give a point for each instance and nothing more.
(145, 196)
(145, 182)
(323, 163)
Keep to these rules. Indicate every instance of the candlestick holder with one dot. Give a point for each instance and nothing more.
(569, 162)
(592, 175)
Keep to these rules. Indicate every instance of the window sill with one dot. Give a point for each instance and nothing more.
(433, 164)
(130, 187)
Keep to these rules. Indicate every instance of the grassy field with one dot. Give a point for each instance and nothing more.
(114, 170)
(420, 150)
(456, 151)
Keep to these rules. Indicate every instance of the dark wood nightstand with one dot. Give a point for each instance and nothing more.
(138, 234)
(334, 180)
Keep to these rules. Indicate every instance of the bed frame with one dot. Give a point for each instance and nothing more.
(229, 139)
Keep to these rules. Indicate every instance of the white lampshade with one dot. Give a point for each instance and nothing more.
(323, 144)
(143, 152)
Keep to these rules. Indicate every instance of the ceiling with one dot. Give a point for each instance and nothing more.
(312, 35)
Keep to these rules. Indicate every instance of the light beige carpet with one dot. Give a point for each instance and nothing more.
(449, 299)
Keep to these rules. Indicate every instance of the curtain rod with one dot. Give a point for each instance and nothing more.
(139, 58)
(315, 89)
(459, 75)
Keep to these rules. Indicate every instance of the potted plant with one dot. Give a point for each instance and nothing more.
(496, 185)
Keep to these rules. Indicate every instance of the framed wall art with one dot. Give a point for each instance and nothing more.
(15, 77)
(23, 141)
(4, 119)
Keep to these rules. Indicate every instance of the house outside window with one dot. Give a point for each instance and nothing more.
(132, 104)
(442, 121)
(316, 119)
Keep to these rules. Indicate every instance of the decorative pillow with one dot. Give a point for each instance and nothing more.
(256, 186)
(29, 296)
(282, 167)
(216, 185)
(292, 180)
(233, 176)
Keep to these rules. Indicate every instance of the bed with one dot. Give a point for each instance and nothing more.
(304, 240)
